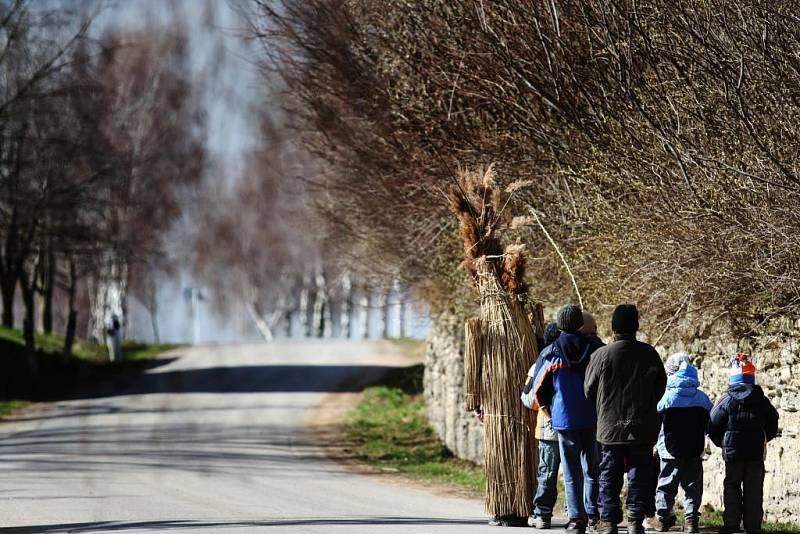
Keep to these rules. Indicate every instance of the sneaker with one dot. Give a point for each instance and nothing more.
(542, 523)
(593, 520)
(650, 523)
(691, 525)
(495, 521)
(662, 524)
(576, 526)
(605, 527)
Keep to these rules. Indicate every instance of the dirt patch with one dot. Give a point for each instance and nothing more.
(325, 428)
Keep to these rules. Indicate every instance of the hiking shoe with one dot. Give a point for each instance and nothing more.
(514, 521)
(508, 521)
(691, 525)
(605, 527)
(662, 524)
(576, 526)
(635, 526)
(542, 523)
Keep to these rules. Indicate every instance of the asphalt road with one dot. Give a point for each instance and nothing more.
(210, 442)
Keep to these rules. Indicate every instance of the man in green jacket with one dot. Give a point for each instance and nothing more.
(625, 380)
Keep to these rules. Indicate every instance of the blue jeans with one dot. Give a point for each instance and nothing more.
(547, 479)
(688, 473)
(637, 461)
(579, 459)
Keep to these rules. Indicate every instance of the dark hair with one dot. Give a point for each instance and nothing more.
(625, 319)
(551, 333)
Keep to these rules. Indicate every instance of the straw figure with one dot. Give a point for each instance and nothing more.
(500, 347)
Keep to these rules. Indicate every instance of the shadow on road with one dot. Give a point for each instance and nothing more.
(250, 379)
(181, 524)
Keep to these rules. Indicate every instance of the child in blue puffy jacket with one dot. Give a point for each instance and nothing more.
(684, 411)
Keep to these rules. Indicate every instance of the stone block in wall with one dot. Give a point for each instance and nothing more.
(444, 390)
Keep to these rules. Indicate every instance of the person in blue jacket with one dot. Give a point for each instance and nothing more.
(684, 411)
(742, 422)
(559, 391)
(549, 457)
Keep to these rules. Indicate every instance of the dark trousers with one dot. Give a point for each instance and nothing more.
(651, 502)
(743, 494)
(615, 461)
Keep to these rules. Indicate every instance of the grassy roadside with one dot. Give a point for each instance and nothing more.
(713, 518)
(88, 365)
(389, 430)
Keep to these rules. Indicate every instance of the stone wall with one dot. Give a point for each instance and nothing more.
(777, 359)
(776, 355)
(444, 390)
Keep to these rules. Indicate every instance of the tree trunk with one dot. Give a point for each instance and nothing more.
(365, 315)
(383, 309)
(8, 286)
(261, 325)
(28, 327)
(47, 283)
(347, 307)
(303, 307)
(154, 323)
(72, 317)
(403, 317)
(321, 317)
(69, 336)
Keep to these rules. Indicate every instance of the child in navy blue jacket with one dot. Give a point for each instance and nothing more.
(742, 423)
(684, 411)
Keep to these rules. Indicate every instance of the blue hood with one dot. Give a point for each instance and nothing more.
(684, 378)
(574, 349)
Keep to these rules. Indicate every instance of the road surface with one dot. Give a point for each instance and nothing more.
(210, 442)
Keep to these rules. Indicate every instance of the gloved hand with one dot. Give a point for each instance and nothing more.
(478, 412)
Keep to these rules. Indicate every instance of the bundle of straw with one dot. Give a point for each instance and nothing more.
(473, 356)
(509, 350)
(500, 347)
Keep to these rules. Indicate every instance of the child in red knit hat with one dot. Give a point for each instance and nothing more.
(742, 423)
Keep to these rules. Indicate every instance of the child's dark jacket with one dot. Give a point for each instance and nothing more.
(742, 422)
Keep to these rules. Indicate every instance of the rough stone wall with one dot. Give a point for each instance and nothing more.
(444, 390)
(777, 359)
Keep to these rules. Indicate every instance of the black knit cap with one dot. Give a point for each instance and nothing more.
(625, 319)
(569, 318)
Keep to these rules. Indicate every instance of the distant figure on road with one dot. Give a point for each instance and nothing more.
(114, 338)
(625, 380)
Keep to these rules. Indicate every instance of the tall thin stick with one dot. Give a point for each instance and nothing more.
(560, 255)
